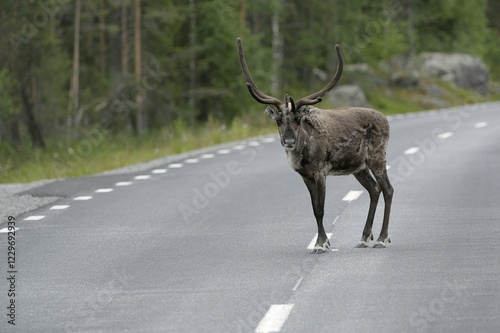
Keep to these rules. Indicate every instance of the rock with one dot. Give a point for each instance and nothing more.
(464, 70)
(361, 75)
(405, 79)
(348, 95)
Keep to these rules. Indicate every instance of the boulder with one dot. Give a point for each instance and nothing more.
(348, 95)
(404, 79)
(464, 70)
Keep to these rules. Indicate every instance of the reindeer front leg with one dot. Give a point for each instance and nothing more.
(317, 190)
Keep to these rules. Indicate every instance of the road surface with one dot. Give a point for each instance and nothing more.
(218, 243)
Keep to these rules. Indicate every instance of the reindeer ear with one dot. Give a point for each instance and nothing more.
(273, 112)
(302, 111)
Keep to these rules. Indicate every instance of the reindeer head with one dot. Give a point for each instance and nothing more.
(288, 114)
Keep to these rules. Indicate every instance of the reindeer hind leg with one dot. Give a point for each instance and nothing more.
(368, 182)
(387, 191)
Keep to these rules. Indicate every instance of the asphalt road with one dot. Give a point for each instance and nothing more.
(218, 243)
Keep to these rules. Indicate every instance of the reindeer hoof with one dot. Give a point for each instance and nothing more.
(363, 243)
(321, 248)
(382, 243)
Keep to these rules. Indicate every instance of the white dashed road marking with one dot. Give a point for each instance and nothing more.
(254, 143)
(352, 195)
(59, 207)
(123, 183)
(34, 217)
(191, 160)
(298, 284)
(224, 151)
(208, 156)
(239, 147)
(445, 135)
(481, 124)
(268, 140)
(142, 177)
(159, 171)
(275, 318)
(175, 165)
(6, 230)
(411, 150)
(104, 190)
(315, 238)
(83, 198)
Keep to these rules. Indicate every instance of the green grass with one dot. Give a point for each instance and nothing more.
(98, 151)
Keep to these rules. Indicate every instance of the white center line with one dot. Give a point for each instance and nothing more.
(275, 318)
(315, 238)
(83, 197)
(104, 190)
(192, 160)
(352, 195)
(57, 207)
(159, 171)
(6, 230)
(254, 143)
(142, 177)
(269, 139)
(445, 135)
(175, 165)
(207, 156)
(411, 150)
(123, 183)
(481, 124)
(34, 218)
(239, 147)
(298, 284)
(224, 151)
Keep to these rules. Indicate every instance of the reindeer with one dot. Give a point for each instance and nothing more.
(320, 142)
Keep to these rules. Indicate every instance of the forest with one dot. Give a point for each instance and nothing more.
(122, 71)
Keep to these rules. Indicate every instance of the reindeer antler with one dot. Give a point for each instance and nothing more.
(254, 91)
(317, 97)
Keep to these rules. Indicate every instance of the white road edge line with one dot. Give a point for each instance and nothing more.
(313, 241)
(352, 195)
(275, 318)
